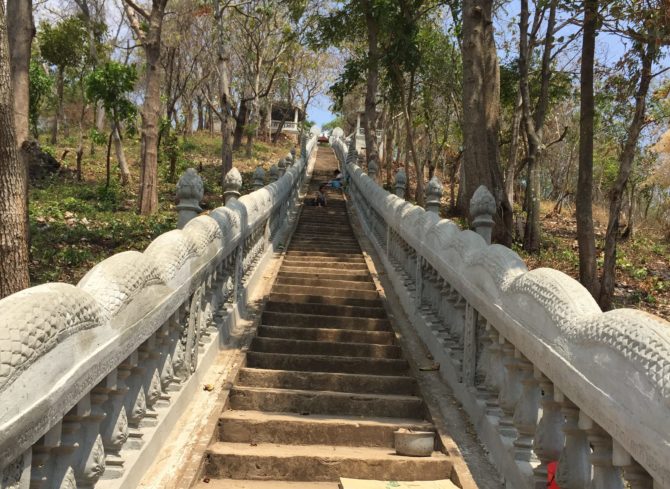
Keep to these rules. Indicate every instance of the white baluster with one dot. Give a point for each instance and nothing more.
(604, 474)
(634, 473)
(526, 417)
(574, 466)
(549, 437)
(510, 391)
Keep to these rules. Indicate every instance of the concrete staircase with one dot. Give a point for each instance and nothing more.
(325, 384)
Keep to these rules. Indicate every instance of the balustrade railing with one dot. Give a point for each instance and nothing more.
(94, 376)
(544, 375)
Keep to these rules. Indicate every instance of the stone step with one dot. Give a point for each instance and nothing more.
(325, 309)
(251, 484)
(320, 463)
(322, 253)
(318, 273)
(306, 347)
(331, 271)
(324, 299)
(315, 290)
(309, 281)
(322, 381)
(296, 429)
(332, 264)
(279, 318)
(327, 334)
(355, 260)
(325, 402)
(325, 363)
(324, 248)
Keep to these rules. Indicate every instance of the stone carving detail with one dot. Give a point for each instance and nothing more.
(232, 183)
(434, 192)
(259, 177)
(400, 183)
(548, 317)
(170, 251)
(274, 173)
(115, 281)
(482, 210)
(190, 191)
(34, 321)
(87, 426)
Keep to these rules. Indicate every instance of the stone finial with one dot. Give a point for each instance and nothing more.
(259, 177)
(373, 168)
(482, 210)
(274, 173)
(400, 183)
(337, 133)
(289, 160)
(232, 183)
(434, 192)
(190, 191)
(282, 167)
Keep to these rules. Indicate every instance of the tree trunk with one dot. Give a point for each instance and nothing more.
(201, 113)
(120, 155)
(60, 82)
(148, 202)
(13, 245)
(372, 82)
(534, 123)
(240, 123)
(481, 90)
(584, 198)
(625, 166)
(20, 30)
(510, 174)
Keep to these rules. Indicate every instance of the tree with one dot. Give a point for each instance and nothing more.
(62, 45)
(533, 122)
(148, 33)
(21, 31)
(481, 87)
(110, 84)
(40, 87)
(649, 31)
(13, 245)
(584, 198)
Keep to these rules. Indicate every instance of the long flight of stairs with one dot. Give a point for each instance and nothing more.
(325, 383)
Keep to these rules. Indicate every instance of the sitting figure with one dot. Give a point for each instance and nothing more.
(336, 182)
(320, 196)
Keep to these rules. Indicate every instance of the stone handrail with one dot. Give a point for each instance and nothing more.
(542, 372)
(93, 376)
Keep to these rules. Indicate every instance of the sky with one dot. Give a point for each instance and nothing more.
(319, 111)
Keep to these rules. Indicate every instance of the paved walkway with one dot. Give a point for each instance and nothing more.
(325, 384)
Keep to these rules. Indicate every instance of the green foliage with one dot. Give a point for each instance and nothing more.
(337, 122)
(110, 84)
(40, 88)
(64, 44)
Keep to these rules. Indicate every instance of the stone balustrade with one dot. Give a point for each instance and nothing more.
(542, 372)
(94, 376)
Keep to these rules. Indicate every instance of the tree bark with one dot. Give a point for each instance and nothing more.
(120, 155)
(481, 90)
(372, 82)
(240, 123)
(584, 198)
(534, 123)
(60, 82)
(625, 166)
(13, 227)
(510, 174)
